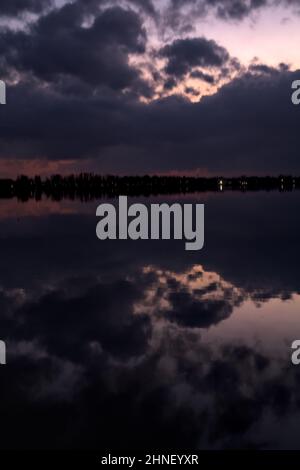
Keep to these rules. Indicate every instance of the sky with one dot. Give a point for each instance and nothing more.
(149, 86)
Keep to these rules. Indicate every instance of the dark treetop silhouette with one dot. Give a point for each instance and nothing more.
(87, 186)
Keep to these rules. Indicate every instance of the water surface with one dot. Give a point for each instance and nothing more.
(123, 344)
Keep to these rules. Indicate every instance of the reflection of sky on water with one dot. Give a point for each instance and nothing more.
(138, 344)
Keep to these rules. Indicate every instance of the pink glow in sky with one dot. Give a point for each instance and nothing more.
(271, 35)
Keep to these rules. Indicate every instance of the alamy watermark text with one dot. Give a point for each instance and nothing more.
(2, 92)
(136, 222)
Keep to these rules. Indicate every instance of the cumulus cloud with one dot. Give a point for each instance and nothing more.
(181, 14)
(184, 54)
(12, 8)
(198, 74)
(58, 46)
(234, 130)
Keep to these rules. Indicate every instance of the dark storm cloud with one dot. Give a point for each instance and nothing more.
(235, 130)
(239, 9)
(238, 129)
(14, 8)
(58, 46)
(181, 15)
(192, 91)
(265, 69)
(202, 76)
(236, 9)
(170, 83)
(224, 9)
(146, 5)
(44, 126)
(184, 54)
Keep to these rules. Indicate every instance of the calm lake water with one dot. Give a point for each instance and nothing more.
(139, 345)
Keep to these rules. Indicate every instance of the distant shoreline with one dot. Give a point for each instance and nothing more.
(87, 186)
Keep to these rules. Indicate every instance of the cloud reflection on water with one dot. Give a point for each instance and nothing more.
(131, 345)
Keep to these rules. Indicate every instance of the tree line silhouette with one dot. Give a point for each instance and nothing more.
(88, 186)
